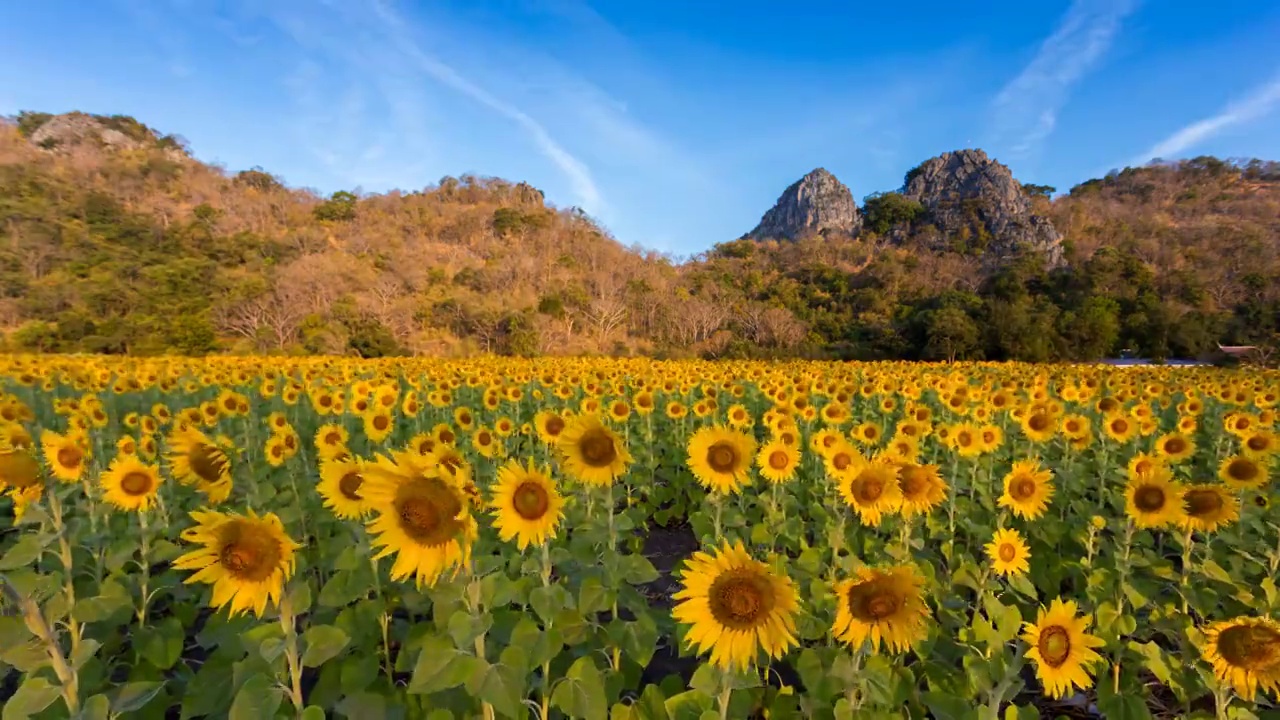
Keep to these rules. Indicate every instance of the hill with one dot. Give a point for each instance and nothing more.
(113, 238)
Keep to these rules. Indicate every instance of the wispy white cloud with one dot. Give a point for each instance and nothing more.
(579, 175)
(1258, 103)
(1025, 111)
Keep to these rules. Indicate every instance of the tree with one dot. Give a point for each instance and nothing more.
(951, 334)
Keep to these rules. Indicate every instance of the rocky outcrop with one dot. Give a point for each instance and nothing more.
(817, 203)
(978, 207)
(112, 132)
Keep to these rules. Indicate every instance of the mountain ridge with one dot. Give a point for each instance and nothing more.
(132, 245)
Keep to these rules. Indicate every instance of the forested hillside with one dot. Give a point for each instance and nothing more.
(114, 239)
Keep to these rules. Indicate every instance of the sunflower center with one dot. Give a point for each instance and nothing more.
(1119, 426)
(1242, 469)
(1038, 422)
(554, 425)
(841, 461)
(1256, 442)
(597, 448)
(1007, 552)
(350, 484)
(1054, 645)
(1022, 488)
(1252, 647)
(136, 483)
(381, 422)
(778, 460)
(868, 488)
(428, 511)
(207, 462)
(1203, 503)
(741, 598)
(722, 457)
(70, 457)
(447, 437)
(964, 439)
(249, 553)
(1149, 498)
(873, 601)
(531, 500)
(332, 438)
(1173, 446)
(913, 480)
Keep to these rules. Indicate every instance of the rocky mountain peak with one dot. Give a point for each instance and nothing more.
(978, 206)
(112, 132)
(816, 203)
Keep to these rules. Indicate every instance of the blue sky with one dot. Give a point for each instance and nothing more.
(676, 123)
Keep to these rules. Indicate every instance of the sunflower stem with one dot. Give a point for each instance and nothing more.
(68, 678)
(1188, 542)
(289, 625)
(145, 566)
(64, 554)
(724, 698)
(477, 609)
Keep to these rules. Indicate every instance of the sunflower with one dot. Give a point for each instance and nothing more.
(778, 461)
(735, 607)
(1243, 472)
(1152, 499)
(1009, 553)
(422, 519)
(1061, 648)
(1119, 428)
(18, 469)
(967, 440)
(1208, 507)
(527, 505)
(881, 605)
(922, 488)
(1039, 425)
(339, 487)
(1027, 489)
(843, 461)
(247, 558)
(65, 454)
(1144, 463)
(1245, 653)
(549, 425)
(274, 451)
(378, 425)
(873, 492)
(1259, 444)
(591, 452)
(130, 484)
(1175, 447)
(195, 459)
(720, 458)
(331, 441)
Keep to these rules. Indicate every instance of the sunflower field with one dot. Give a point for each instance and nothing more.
(628, 539)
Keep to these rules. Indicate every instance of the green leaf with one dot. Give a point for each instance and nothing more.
(1121, 706)
(88, 648)
(96, 707)
(101, 607)
(945, 706)
(24, 553)
(501, 685)
(547, 601)
(258, 698)
(593, 597)
(363, 705)
(161, 644)
(134, 696)
(580, 694)
(441, 666)
(688, 705)
(33, 696)
(1215, 571)
(637, 570)
(324, 642)
(465, 627)
(313, 712)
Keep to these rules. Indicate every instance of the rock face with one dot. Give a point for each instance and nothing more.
(978, 207)
(117, 132)
(817, 203)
